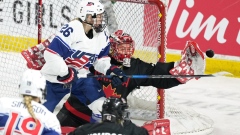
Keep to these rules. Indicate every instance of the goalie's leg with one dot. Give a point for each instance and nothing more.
(90, 93)
(74, 113)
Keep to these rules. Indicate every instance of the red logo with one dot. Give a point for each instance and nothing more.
(90, 4)
(212, 24)
(110, 92)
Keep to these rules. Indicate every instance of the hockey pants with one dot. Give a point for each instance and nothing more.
(86, 90)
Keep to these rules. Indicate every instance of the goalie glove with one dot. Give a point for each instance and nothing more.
(192, 62)
(118, 75)
(71, 77)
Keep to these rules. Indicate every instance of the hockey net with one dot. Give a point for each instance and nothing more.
(144, 20)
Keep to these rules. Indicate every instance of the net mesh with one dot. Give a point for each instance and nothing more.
(18, 24)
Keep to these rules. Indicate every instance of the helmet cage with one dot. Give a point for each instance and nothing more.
(116, 40)
(94, 8)
(102, 26)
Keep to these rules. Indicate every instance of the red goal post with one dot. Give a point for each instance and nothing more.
(160, 18)
(161, 47)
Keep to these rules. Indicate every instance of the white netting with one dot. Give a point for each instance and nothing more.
(18, 31)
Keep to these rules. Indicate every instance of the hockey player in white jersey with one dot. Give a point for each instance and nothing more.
(80, 44)
(25, 115)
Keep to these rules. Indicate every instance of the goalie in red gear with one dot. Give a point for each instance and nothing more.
(122, 47)
(74, 113)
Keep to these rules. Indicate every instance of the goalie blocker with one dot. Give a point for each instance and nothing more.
(34, 55)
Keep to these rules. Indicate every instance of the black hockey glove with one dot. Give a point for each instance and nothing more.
(118, 75)
(70, 77)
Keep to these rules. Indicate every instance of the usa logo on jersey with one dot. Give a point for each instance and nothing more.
(80, 59)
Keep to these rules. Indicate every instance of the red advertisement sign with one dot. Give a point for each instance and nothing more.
(213, 24)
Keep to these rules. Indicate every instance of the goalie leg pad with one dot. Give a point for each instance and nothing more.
(96, 106)
(96, 118)
(158, 127)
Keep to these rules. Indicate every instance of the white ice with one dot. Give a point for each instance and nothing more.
(216, 97)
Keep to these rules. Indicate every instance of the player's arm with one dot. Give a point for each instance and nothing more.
(55, 65)
(104, 66)
(55, 68)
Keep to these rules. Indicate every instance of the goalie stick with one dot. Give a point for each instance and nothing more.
(148, 76)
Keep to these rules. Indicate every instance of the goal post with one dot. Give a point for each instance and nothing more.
(25, 23)
(160, 17)
(39, 20)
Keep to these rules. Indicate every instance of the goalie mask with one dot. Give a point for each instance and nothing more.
(115, 110)
(33, 83)
(96, 10)
(122, 47)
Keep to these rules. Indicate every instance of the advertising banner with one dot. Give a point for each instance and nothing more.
(213, 24)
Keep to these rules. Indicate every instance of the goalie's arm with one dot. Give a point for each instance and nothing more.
(143, 68)
(163, 69)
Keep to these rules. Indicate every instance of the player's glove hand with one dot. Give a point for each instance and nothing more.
(70, 77)
(118, 75)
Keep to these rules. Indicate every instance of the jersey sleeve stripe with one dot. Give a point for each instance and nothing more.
(51, 51)
(64, 43)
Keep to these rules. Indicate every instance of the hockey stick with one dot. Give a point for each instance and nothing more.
(147, 76)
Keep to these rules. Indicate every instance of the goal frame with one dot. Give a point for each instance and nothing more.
(161, 39)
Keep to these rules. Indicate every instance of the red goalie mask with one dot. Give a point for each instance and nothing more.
(122, 47)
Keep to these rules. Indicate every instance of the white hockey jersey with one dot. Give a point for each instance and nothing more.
(72, 48)
(16, 120)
